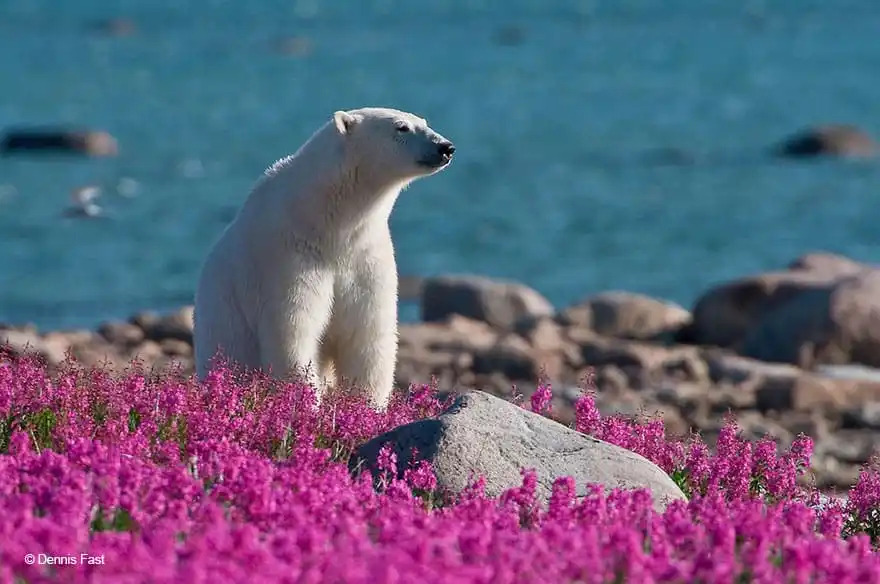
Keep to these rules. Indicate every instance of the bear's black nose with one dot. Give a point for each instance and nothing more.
(447, 148)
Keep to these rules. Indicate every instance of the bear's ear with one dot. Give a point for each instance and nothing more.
(344, 121)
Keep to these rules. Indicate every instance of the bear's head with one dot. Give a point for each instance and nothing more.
(397, 144)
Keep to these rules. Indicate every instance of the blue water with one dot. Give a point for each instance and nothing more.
(557, 180)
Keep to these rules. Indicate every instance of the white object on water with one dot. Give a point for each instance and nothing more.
(84, 205)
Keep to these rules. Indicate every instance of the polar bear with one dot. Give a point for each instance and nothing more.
(304, 280)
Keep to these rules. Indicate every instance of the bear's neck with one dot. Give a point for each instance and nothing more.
(340, 202)
(358, 197)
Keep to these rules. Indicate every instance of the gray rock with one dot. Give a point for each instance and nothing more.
(53, 350)
(856, 372)
(496, 302)
(865, 415)
(726, 314)
(734, 369)
(611, 379)
(822, 310)
(627, 315)
(456, 334)
(514, 358)
(836, 324)
(828, 140)
(121, 334)
(849, 446)
(175, 325)
(482, 435)
(827, 263)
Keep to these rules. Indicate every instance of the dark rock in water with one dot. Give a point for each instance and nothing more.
(293, 46)
(509, 36)
(668, 156)
(829, 140)
(58, 141)
(482, 435)
(496, 302)
(116, 27)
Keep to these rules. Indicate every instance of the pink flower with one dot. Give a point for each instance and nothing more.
(387, 459)
(248, 482)
(421, 476)
(541, 398)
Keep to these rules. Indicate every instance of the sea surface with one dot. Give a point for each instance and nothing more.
(600, 144)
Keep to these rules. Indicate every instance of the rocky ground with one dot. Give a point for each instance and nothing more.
(785, 352)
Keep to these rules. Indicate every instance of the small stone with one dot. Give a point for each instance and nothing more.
(627, 315)
(755, 426)
(725, 399)
(25, 342)
(513, 357)
(812, 424)
(148, 351)
(866, 415)
(687, 368)
(176, 325)
(497, 302)
(611, 379)
(457, 334)
(542, 333)
(849, 446)
(176, 348)
(31, 140)
(734, 369)
(831, 473)
(146, 319)
(802, 393)
(687, 397)
(674, 423)
(122, 334)
(843, 140)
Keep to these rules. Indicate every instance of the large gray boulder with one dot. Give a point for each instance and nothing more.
(728, 315)
(497, 302)
(482, 435)
(835, 324)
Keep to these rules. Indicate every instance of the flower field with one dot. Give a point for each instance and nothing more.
(134, 477)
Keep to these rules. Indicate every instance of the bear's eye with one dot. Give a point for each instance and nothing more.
(402, 127)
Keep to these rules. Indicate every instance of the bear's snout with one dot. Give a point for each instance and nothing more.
(446, 149)
(439, 158)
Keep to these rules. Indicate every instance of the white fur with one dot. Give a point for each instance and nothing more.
(304, 278)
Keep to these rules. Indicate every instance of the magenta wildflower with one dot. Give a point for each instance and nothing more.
(234, 481)
(541, 398)
(421, 477)
(387, 459)
(587, 416)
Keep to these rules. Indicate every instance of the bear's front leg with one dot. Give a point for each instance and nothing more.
(292, 321)
(365, 326)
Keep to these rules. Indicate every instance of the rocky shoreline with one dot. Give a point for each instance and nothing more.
(785, 352)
